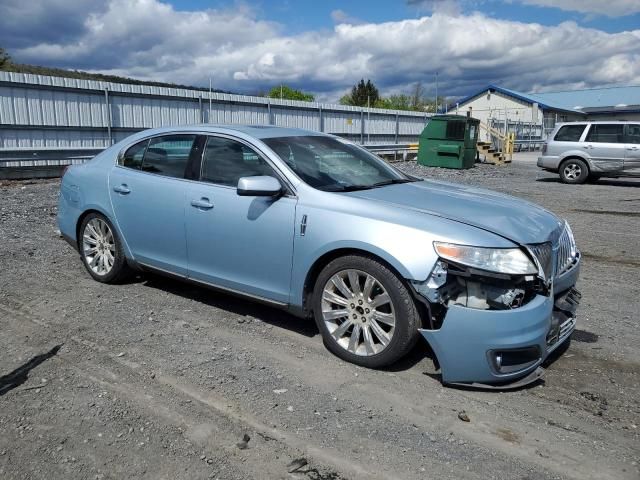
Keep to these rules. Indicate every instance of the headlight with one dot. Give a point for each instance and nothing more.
(502, 260)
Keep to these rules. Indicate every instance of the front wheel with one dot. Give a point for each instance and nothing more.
(365, 313)
(101, 250)
(574, 171)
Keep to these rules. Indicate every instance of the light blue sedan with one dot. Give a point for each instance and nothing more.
(321, 227)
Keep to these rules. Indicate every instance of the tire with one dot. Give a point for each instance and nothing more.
(101, 250)
(574, 171)
(360, 325)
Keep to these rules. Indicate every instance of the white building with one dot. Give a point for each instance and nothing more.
(535, 114)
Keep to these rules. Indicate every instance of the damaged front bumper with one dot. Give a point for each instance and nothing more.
(504, 348)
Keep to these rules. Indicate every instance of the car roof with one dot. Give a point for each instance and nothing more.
(256, 131)
(589, 122)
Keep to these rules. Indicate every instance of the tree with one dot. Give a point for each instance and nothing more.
(345, 99)
(5, 59)
(430, 104)
(362, 94)
(286, 92)
(395, 102)
(417, 97)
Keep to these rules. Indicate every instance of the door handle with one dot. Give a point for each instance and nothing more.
(122, 189)
(632, 148)
(587, 146)
(203, 204)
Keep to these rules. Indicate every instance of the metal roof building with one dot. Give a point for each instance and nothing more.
(537, 113)
(599, 101)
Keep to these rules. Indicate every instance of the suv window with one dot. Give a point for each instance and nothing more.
(225, 161)
(606, 133)
(569, 133)
(633, 133)
(132, 158)
(168, 155)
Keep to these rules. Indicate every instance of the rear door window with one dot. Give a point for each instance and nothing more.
(132, 158)
(569, 133)
(168, 155)
(606, 133)
(633, 133)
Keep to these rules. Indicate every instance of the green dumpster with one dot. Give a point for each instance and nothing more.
(449, 141)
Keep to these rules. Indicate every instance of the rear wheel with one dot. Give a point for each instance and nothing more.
(364, 312)
(574, 171)
(101, 250)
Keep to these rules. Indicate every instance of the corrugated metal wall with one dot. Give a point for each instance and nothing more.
(51, 112)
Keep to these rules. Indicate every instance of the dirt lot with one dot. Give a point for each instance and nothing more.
(158, 379)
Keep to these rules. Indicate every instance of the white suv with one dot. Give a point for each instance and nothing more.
(582, 151)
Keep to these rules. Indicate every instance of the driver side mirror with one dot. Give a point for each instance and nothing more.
(259, 186)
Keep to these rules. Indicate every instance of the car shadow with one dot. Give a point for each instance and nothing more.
(271, 315)
(420, 352)
(630, 182)
(279, 318)
(557, 353)
(230, 303)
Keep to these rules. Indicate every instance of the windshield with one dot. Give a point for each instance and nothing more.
(331, 164)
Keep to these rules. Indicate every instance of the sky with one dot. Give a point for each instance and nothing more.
(325, 46)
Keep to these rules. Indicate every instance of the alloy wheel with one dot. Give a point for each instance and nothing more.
(358, 312)
(98, 246)
(572, 171)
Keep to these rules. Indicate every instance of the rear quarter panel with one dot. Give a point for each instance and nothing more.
(86, 188)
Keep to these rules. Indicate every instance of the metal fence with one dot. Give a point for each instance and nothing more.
(528, 135)
(53, 120)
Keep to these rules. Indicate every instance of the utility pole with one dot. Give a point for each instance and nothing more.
(436, 93)
(210, 92)
(368, 118)
(280, 91)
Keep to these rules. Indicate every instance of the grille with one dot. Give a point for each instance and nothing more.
(567, 327)
(544, 253)
(565, 254)
(567, 251)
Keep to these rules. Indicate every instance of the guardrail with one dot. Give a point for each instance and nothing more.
(29, 163)
(387, 150)
(529, 145)
(49, 162)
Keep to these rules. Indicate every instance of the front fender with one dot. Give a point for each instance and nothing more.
(403, 239)
(396, 263)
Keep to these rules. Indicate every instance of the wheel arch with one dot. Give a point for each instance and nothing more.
(575, 157)
(98, 210)
(81, 218)
(327, 257)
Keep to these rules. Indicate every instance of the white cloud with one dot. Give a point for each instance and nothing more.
(609, 8)
(150, 40)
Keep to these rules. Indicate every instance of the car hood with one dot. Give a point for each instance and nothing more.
(515, 219)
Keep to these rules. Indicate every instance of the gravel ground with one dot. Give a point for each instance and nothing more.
(158, 379)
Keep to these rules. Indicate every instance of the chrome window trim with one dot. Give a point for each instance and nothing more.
(121, 153)
(131, 143)
(291, 193)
